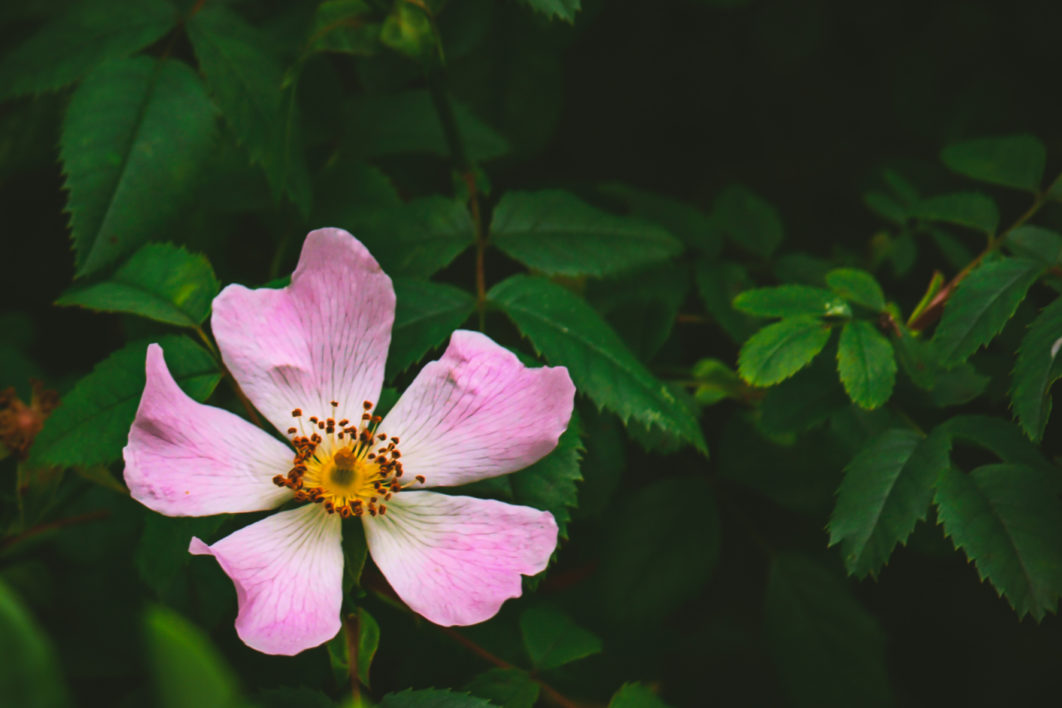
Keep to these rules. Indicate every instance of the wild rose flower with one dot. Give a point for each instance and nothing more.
(310, 357)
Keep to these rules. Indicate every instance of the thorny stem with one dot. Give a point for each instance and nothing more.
(351, 631)
(932, 313)
(57, 524)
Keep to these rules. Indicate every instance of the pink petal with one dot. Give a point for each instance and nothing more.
(323, 338)
(455, 560)
(478, 412)
(187, 459)
(288, 573)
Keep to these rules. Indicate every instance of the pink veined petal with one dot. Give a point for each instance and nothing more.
(455, 560)
(323, 338)
(478, 412)
(187, 459)
(288, 573)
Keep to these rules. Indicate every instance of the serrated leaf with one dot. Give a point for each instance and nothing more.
(432, 698)
(91, 424)
(650, 570)
(1011, 161)
(135, 135)
(1037, 368)
(30, 676)
(887, 489)
(561, 9)
(748, 220)
(557, 233)
(425, 315)
(415, 239)
(829, 650)
(189, 672)
(507, 688)
(568, 332)
(970, 209)
(1008, 521)
(791, 300)
(684, 221)
(247, 82)
(981, 306)
(88, 34)
(550, 483)
(781, 349)
(999, 436)
(857, 286)
(642, 305)
(719, 283)
(866, 364)
(635, 695)
(1036, 243)
(553, 639)
(160, 281)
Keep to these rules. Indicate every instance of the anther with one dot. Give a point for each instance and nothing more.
(335, 404)
(367, 405)
(292, 431)
(296, 413)
(420, 478)
(343, 423)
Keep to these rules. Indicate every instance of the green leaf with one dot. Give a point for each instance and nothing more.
(1008, 521)
(289, 696)
(91, 424)
(999, 436)
(559, 234)
(415, 239)
(561, 9)
(857, 286)
(886, 206)
(550, 483)
(162, 550)
(1037, 368)
(1012, 161)
(866, 363)
(685, 222)
(642, 305)
(189, 672)
(748, 220)
(568, 332)
(635, 695)
(719, 283)
(160, 281)
(1037, 243)
(803, 401)
(30, 676)
(981, 305)
(507, 688)
(781, 349)
(406, 122)
(650, 569)
(345, 26)
(791, 300)
(246, 80)
(432, 698)
(829, 650)
(887, 489)
(970, 209)
(135, 135)
(88, 34)
(408, 30)
(553, 639)
(425, 315)
(368, 633)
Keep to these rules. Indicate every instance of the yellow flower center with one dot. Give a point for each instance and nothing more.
(351, 469)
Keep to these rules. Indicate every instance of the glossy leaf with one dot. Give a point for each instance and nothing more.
(135, 136)
(160, 281)
(567, 332)
(1008, 521)
(425, 315)
(781, 349)
(553, 639)
(858, 287)
(1012, 161)
(1037, 368)
(970, 209)
(887, 489)
(981, 306)
(558, 234)
(866, 363)
(791, 300)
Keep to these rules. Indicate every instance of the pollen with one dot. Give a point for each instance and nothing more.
(341, 470)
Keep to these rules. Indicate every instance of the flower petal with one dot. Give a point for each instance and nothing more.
(323, 338)
(187, 459)
(455, 560)
(478, 412)
(288, 573)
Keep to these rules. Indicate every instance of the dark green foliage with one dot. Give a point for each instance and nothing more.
(565, 330)
(635, 695)
(425, 315)
(887, 489)
(791, 300)
(970, 209)
(858, 287)
(553, 639)
(30, 676)
(136, 133)
(781, 349)
(507, 688)
(432, 698)
(558, 234)
(687, 223)
(1013, 161)
(1036, 369)
(748, 220)
(160, 281)
(345, 26)
(983, 303)
(718, 284)
(1008, 521)
(561, 9)
(866, 363)
(1036, 243)
(550, 483)
(188, 669)
(91, 425)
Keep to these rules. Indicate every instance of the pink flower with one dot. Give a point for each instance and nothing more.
(311, 358)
